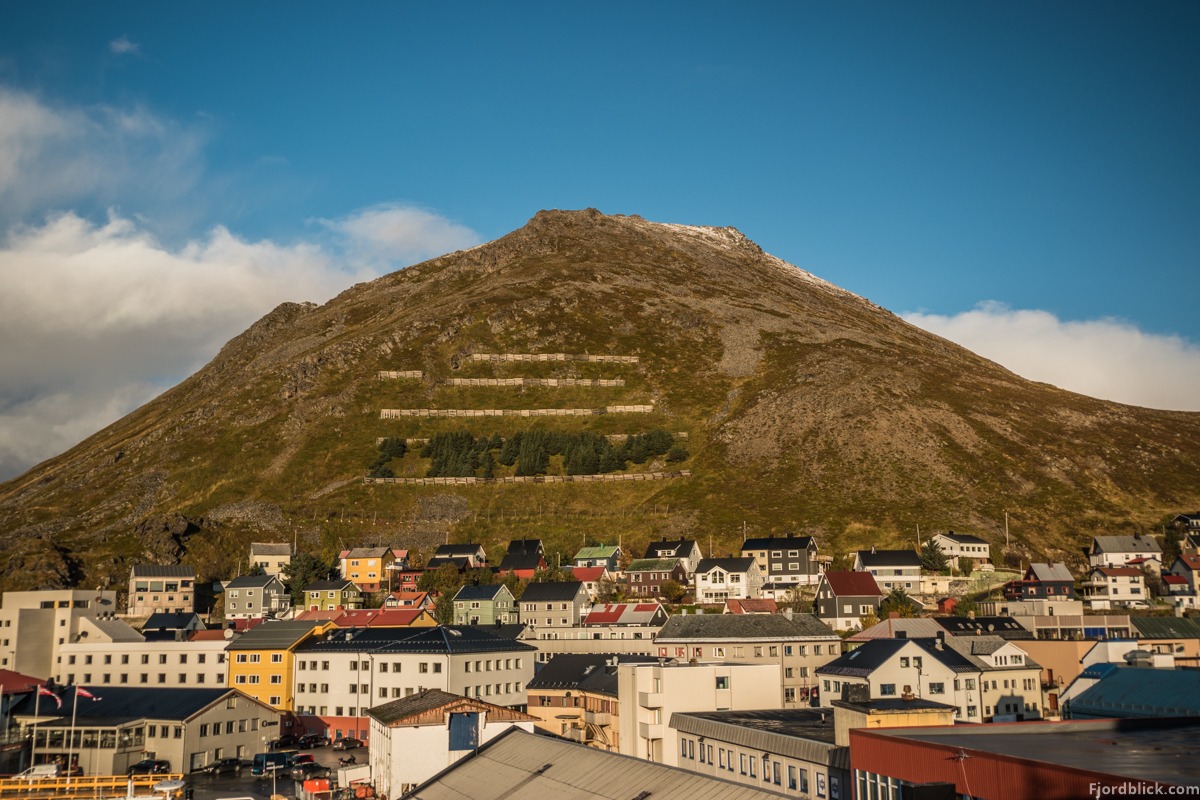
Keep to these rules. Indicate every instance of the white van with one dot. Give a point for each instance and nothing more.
(38, 771)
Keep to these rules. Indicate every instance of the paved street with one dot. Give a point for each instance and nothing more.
(227, 787)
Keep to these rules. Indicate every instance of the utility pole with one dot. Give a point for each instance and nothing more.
(1005, 530)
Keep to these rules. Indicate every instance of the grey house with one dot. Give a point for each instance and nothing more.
(255, 596)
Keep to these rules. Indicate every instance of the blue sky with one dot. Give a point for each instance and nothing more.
(1021, 177)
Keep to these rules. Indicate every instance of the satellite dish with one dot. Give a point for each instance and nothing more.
(229, 633)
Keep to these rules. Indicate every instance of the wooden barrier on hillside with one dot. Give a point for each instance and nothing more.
(396, 413)
(612, 437)
(408, 373)
(604, 478)
(554, 382)
(497, 357)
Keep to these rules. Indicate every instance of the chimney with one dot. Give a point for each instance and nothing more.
(893, 615)
(901, 634)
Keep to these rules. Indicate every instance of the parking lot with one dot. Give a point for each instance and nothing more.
(243, 784)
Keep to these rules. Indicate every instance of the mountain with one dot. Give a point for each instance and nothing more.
(805, 408)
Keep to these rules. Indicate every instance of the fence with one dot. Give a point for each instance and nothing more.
(410, 373)
(552, 357)
(607, 478)
(535, 382)
(612, 437)
(395, 413)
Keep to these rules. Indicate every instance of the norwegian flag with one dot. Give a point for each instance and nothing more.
(82, 692)
(42, 690)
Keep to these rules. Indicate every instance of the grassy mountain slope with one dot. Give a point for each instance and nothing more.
(806, 407)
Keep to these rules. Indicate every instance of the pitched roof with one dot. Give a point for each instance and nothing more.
(462, 562)
(551, 591)
(751, 605)
(171, 621)
(114, 629)
(600, 551)
(525, 547)
(270, 549)
(741, 627)
(652, 565)
(366, 552)
(408, 710)
(275, 635)
(623, 614)
(777, 543)
(971, 647)
(1142, 692)
(116, 704)
(1118, 572)
(379, 617)
(1166, 627)
(864, 659)
(596, 672)
(162, 571)
(521, 561)
(1126, 544)
(480, 592)
(252, 582)
(726, 564)
(589, 574)
(16, 683)
(853, 584)
(520, 764)
(1051, 572)
(1175, 580)
(467, 549)
(889, 558)
(911, 627)
(962, 538)
(680, 548)
(210, 635)
(441, 639)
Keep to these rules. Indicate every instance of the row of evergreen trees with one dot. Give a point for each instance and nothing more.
(461, 454)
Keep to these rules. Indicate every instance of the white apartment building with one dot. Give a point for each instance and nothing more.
(651, 693)
(341, 675)
(44, 621)
(161, 664)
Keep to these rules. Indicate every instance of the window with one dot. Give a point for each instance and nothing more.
(722, 681)
(937, 688)
(887, 689)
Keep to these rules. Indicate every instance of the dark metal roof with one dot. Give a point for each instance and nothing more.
(1006, 627)
(274, 635)
(521, 764)
(484, 592)
(525, 547)
(162, 571)
(1166, 627)
(336, 585)
(116, 704)
(590, 672)
(446, 640)
(864, 659)
(252, 582)
(743, 627)
(554, 591)
(521, 561)
(962, 538)
(172, 621)
(727, 564)
(681, 548)
(468, 549)
(889, 558)
(777, 543)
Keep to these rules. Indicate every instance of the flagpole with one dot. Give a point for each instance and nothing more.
(71, 744)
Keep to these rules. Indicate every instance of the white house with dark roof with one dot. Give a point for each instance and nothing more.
(161, 587)
(1106, 588)
(415, 738)
(957, 546)
(784, 559)
(1126, 551)
(684, 549)
(721, 579)
(470, 554)
(547, 608)
(893, 569)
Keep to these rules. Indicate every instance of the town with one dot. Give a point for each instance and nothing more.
(785, 670)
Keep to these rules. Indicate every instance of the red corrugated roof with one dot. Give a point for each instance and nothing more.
(210, 635)
(1174, 579)
(605, 616)
(646, 607)
(587, 573)
(1191, 560)
(16, 683)
(1118, 571)
(852, 583)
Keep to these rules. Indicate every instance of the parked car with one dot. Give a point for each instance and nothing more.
(286, 740)
(150, 766)
(300, 758)
(309, 740)
(302, 772)
(347, 743)
(222, 766)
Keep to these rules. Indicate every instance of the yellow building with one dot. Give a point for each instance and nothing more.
(262, 662)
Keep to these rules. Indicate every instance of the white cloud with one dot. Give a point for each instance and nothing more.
(98, 317)
(123, 45)
(62, 157)
(392, 233)
(1106, 358)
